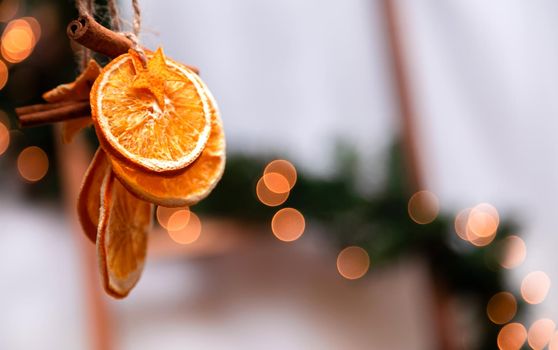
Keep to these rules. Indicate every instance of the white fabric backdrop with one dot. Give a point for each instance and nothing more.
(290, 74)
(484, 77)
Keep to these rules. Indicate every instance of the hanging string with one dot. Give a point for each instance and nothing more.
(85, 7)
(137, 17)
(135, 32)
(114, 15)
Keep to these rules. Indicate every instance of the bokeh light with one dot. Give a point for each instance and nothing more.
(477, 225)
(32, 164)
(483, 220)
(512, 251)
(5, 119)
(553, 344)
(535, 286)
(353, 262)
(276, 183)
(268, 197)
(284, 168)
(18, 40)
(470, 218)
(501, 308)
(178, 220)
(540, 333)
(35, 27)
(460, 223)
(8, 9)
(479, 241)
(190, 232)
(288, 224)
(163, 215)
(3, 74)
(423, 207)
(4, 138)
(512, 337)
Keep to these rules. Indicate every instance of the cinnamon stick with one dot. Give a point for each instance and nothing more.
(46, 115)
(89, 33)
(41, 107)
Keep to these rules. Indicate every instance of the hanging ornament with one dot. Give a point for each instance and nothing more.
(160, 133)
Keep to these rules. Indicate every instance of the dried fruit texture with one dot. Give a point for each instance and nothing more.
(89, 198)
(122, 237)
(190, 185)
(77, 90)
(157, 118)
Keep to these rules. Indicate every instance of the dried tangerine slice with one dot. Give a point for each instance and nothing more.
(157, 118)
(89, 198)
(122, 237)
(187, 187)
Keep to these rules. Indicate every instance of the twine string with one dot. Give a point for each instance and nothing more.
(85, 7)
(137, 17)
(88, 7)
(114, 14)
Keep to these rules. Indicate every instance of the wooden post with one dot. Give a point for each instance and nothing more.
(442, 313)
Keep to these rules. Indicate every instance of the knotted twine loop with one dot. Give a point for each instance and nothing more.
(132, 36)
(88, 7)
(136, 47)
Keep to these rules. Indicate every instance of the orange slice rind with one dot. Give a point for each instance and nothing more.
(187, 187)
(124, 222)
(89, 198)
(157, 118)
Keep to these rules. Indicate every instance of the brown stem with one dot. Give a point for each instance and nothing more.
(89, 33)
(46, 115)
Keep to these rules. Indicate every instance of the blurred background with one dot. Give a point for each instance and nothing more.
(416, 142)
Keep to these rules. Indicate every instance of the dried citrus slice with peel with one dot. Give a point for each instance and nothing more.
(89, 198)
(187, 187)
(122, 237)
(157, 118)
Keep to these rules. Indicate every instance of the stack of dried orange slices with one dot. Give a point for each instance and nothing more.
(162, 143)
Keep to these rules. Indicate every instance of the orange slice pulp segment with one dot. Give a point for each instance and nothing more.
(188, 186)
(122, 237)
(157, 118)
(89, 198)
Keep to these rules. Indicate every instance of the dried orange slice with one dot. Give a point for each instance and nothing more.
(122, 237)
(89, 198)
(190, 185)
(157, 118)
